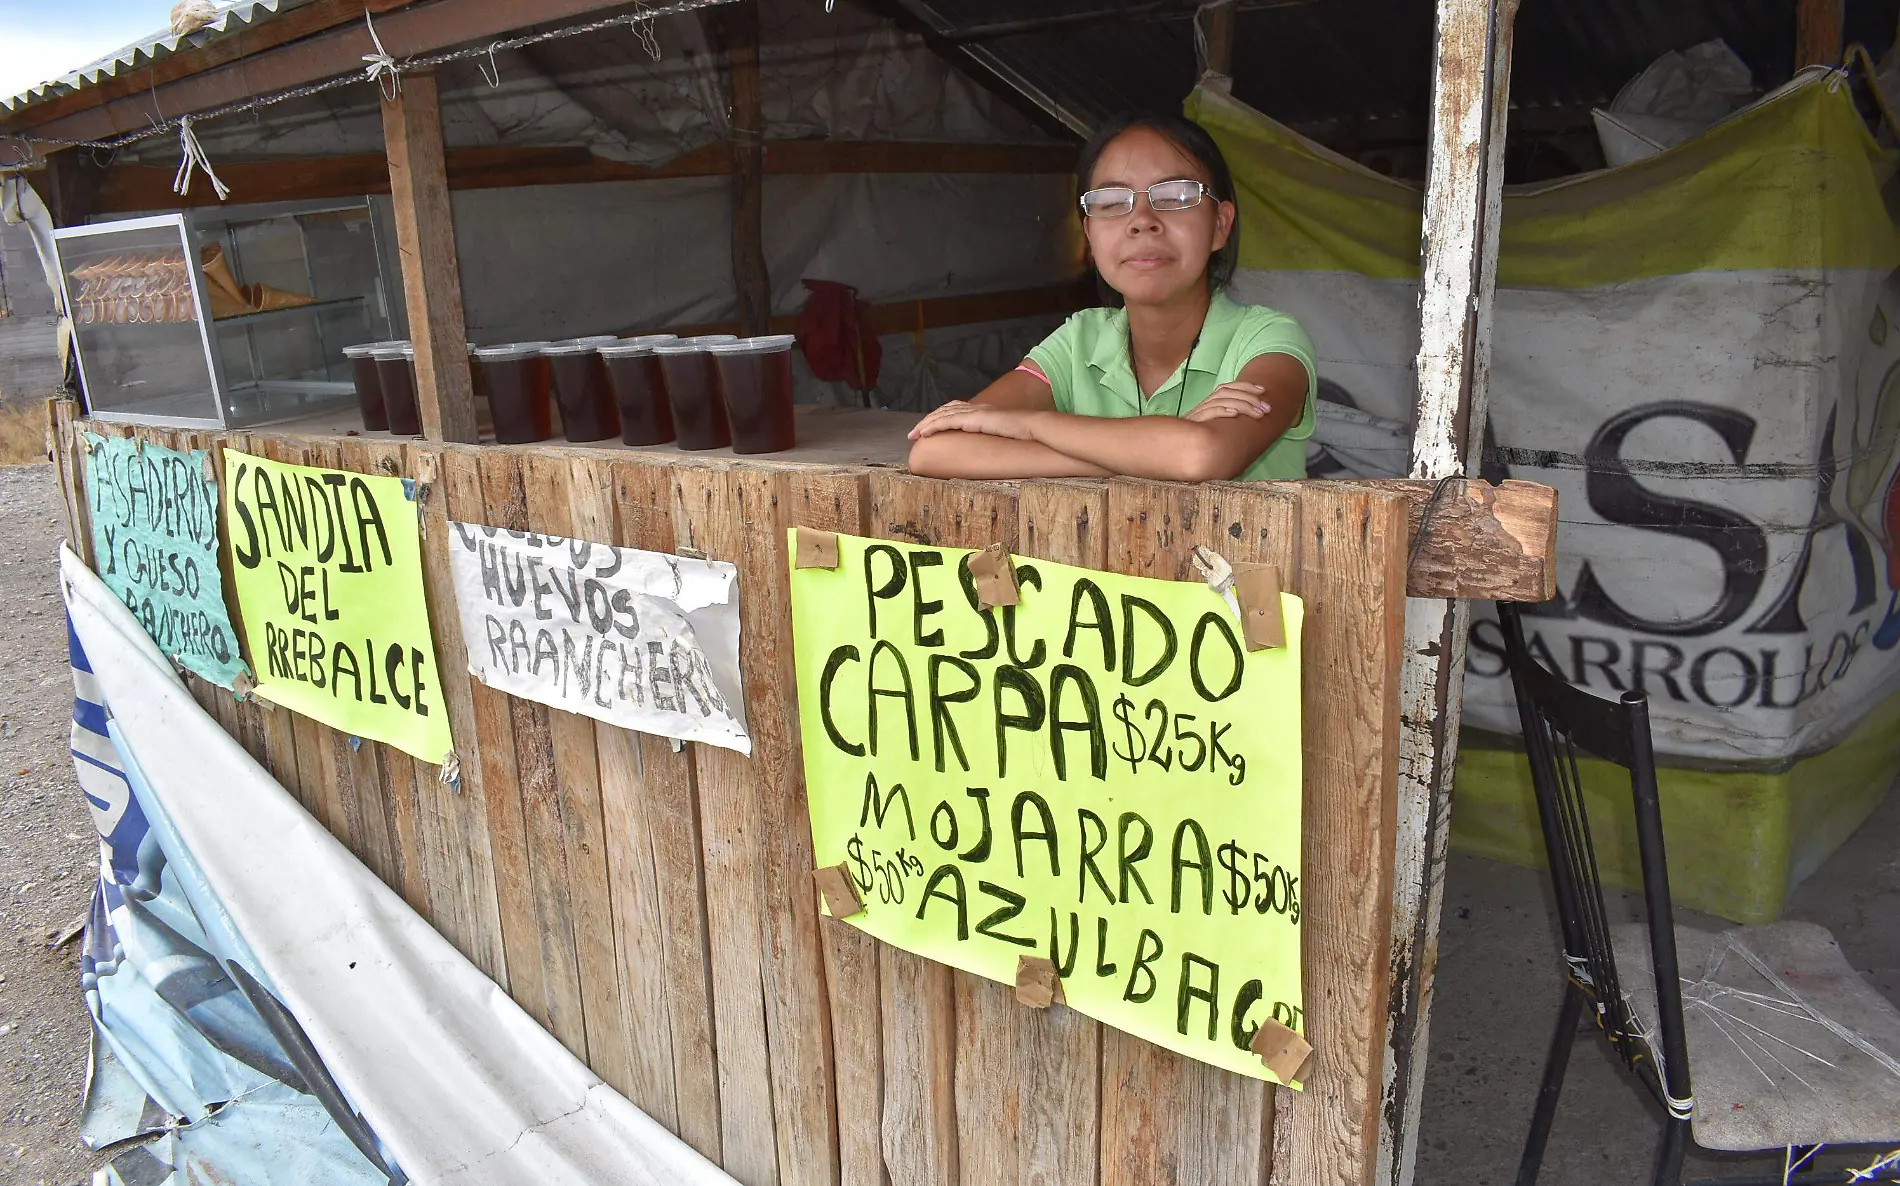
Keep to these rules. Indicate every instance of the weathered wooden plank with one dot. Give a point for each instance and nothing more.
(405, 791)
(1057, 1051)
(1491, 543)
(1470, 108)
(653, 821)
(918, 1001)
(460, 472)
(544, 838)
(550, 497)
(452, 819)
(712, 517)
(1166, 1118)
(966, 1125)
(851, 956)
(634, 924)
(60, 414)
(1352, 576)
(797, 1007)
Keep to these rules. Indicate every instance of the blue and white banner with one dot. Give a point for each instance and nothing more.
(265, 1010)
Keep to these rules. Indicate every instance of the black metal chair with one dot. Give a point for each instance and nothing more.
(1748, 1019)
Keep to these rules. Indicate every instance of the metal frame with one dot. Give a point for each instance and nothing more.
(202, 307)
(1558, 720)
(194, 229)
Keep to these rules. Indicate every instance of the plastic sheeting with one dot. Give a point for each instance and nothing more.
(1699, 351)
(414, 1054)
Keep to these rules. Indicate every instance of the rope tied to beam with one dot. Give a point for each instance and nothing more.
(382, 69)
(194, 158)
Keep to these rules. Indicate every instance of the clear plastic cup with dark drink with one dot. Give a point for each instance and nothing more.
(582, 389)
(692, 391)
(369, 385)
(515, 378)
(396, 372)
(639, 389)
(755, 380)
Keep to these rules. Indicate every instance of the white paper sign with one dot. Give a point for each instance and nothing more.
(643, 640)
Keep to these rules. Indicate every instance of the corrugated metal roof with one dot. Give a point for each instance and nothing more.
(233, 17)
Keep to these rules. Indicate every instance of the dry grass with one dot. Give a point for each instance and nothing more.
(22, 435)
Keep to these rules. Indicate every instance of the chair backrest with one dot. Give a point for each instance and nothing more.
(1557, 721)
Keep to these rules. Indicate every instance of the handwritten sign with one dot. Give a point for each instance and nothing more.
(155, 544)
(642, 640)
(1102, 776)
(328, 573)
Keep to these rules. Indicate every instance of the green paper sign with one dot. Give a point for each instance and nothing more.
(1102, 776)
(154, 518)
(328, 573)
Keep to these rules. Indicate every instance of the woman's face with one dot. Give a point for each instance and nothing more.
(1154, 258)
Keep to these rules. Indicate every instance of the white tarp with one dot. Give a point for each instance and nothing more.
(643, 640)
(1699, 352)
(459, 1085)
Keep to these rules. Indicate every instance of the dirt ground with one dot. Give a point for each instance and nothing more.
(48, 851)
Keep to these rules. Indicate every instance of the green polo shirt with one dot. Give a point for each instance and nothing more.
(1087, 363)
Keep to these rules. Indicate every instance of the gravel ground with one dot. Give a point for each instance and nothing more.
(48, 851)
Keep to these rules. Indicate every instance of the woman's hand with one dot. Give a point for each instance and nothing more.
(1230, 400)
(963, 416)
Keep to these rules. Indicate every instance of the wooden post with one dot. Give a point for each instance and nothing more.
(425, 238)
(1217, 71)
(1817, 33)
(736, 29)
(1471, 79)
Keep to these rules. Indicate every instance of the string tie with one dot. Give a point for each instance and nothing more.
(194, 158)
(382, 69)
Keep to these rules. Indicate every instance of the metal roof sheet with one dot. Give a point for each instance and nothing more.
(232, 17)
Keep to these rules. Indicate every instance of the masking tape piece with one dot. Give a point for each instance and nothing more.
(1285, 1052)
(995, 578)
(816, 549)
(834, 882)
(1037, 984)
(1257, 588)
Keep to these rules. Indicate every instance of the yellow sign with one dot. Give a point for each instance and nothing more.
(328, 569)
(1101, 776)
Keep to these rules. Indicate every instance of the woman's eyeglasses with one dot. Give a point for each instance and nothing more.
(1163, 197)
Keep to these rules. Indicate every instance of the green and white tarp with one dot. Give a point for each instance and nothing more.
(1699, 351)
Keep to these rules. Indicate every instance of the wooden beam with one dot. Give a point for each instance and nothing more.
(735, 30)
(71, 185)
(406, 31)
(129, 188)
(425, 239)
(1818, 33)
(1471, 80)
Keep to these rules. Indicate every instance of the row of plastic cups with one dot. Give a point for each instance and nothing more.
(706, 392)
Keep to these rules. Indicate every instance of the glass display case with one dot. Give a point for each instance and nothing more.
(215, 319)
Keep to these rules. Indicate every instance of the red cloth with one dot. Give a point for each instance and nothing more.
(834, 330)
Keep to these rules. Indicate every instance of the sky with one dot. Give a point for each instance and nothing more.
(43, 39)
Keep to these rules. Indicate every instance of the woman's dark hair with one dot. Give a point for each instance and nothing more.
(1191, 139)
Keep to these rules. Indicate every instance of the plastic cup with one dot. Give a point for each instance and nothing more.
(692, 391)
(755, 380)
(582, 390)
(396, 372)
(515, 377)
(369, 385)
(639, 389)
